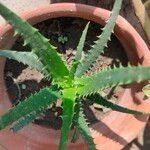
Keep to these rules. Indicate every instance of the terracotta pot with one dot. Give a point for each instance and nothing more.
(114, 130)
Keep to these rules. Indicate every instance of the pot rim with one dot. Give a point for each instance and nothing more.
(135, 48)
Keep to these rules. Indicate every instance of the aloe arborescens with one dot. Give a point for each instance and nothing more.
(70, 84)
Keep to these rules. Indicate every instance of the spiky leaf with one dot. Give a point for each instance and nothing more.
(36, 102)
(80, 46)
(82, 126)
(112, 77)
(102, 101)
(79, 51)
(24, 121)
(40, 46)
(27, 58)
(101, 43)
(68, 113)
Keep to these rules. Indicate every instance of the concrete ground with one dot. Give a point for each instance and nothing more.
(22, 5)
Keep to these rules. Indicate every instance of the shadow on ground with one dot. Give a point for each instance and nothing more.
(142, 142)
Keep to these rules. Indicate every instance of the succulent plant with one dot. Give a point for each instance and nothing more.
(69, 83)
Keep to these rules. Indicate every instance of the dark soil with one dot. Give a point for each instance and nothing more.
(21, 80)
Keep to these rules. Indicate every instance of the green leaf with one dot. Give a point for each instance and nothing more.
(36, 102)
(112, 77)
(68, 113)
(146, 90)
(81, 43)
(82, 126)
(101, 43)
(24, 121)
(46, 53)
(79, 51)
(27, 58)
(102, 101)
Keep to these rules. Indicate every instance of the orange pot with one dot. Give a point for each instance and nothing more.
(114, 130)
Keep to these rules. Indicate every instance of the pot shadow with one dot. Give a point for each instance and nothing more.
(102, 128)
(110, 134)
(143, 140)
(107, 132)
(136, 89)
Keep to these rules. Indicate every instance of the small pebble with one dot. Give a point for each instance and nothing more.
(23, 86)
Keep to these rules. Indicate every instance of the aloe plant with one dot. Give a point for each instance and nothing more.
(69, 84)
